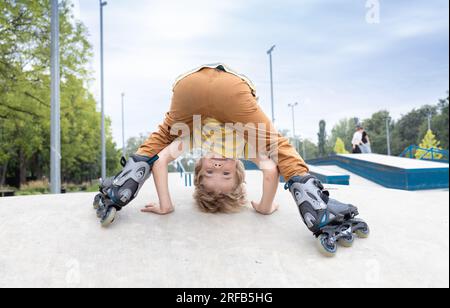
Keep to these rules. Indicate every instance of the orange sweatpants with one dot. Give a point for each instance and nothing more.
(212, 93)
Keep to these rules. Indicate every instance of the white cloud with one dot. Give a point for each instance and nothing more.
(415, 29)
(184, 20)
(318, 58)
(418, 20)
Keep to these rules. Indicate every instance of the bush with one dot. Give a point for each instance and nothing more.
(34, 188)
(43, 187)
(339, 148)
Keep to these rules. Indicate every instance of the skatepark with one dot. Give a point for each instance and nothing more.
(351, 126)
(56, 241)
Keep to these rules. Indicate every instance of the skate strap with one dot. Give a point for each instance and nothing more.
(141, 158)
(303, 180)
(152, 160)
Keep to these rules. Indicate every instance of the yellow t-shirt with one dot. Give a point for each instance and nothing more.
(216, 137)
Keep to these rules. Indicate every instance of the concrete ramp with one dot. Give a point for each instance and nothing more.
(392, 172)
(56, 241)
(324, 175)
(329, 176)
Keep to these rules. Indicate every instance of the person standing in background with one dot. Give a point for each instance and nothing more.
(365, 146)
(357, 141)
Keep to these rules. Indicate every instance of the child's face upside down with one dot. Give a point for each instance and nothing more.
(219, 184)
(219, 175)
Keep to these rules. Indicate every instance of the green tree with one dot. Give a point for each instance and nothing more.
(339, 147)
(344, 130)
(306, 148)
(134, 143)
(376, 129)
(409, 129)
(429, 142)
(440, 123)
(322, 135)
(25, 95)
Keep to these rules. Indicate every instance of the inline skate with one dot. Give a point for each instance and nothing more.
(331, 221)
(117, 192)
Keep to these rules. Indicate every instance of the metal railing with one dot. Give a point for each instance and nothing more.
(435, 154)
(184, 174)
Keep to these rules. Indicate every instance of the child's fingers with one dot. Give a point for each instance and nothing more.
(150, 208)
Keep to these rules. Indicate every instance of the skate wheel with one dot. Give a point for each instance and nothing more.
(347, 241)
(363, 233)
(109, 217)
(325, 247)
(99, 213)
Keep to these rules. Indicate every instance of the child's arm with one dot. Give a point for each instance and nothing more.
(270, 185)
(160, 176)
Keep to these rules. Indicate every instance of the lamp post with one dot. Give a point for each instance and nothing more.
(304, 148)
(123, 126)
(388, 136)
(430, 116)
(269, 52)
(55, 135)
(292, 106)
(102, 91)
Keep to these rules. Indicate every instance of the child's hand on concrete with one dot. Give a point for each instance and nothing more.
(264, 209)
(155, 208)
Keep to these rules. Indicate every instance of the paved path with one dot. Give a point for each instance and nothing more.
(55, 241)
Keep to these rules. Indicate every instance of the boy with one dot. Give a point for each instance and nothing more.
(224, 99)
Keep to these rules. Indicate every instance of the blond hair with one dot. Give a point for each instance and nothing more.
(212, 202)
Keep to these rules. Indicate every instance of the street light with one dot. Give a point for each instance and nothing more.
(293, 117)
(388, 136)
(269, 52)
(430, 116)
(123, 125)
(304, 148)
(293, 129)
(102, 90)
(55, 135)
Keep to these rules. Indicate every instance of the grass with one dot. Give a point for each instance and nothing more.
(42, 187)
(7, 188)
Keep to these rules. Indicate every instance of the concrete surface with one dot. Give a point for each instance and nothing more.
(56, 241)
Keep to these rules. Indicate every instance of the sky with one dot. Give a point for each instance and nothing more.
(336, 58)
